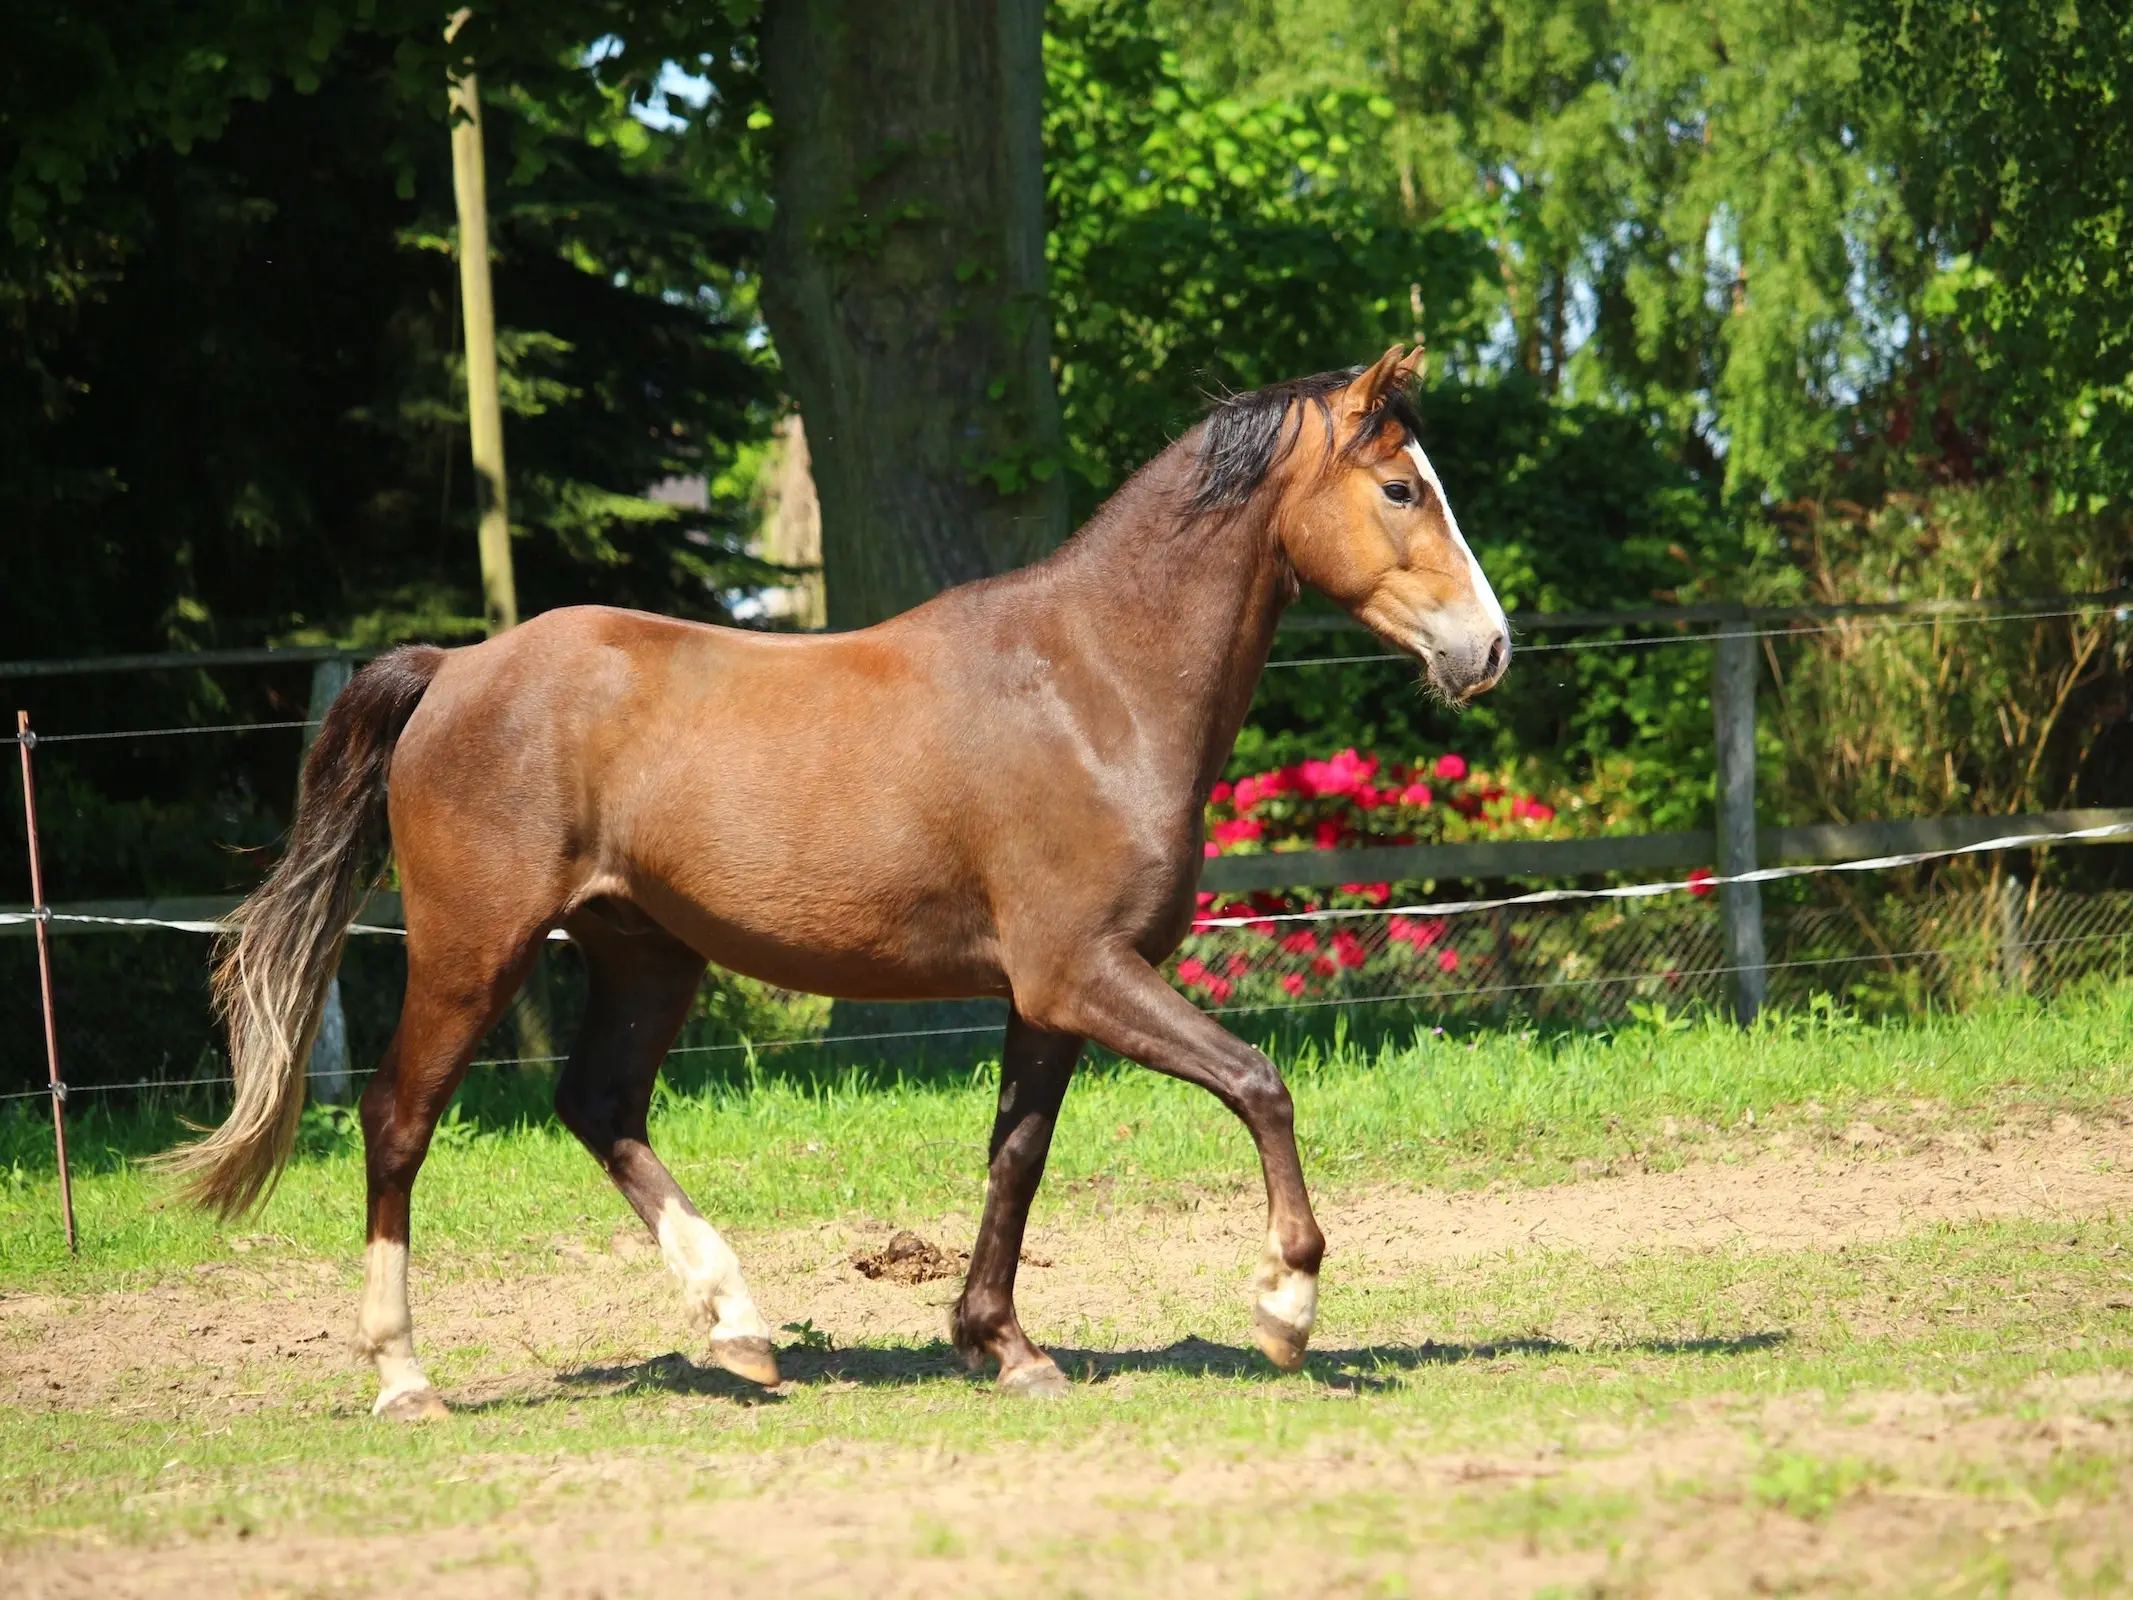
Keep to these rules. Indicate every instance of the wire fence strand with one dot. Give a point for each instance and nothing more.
(1704, 635)
(1710, 635)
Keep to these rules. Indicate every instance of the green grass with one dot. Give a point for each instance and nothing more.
(785, 1142)
(1539, 1355)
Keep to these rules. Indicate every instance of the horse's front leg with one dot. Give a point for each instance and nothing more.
(1124, 1005)
(1035, 1066)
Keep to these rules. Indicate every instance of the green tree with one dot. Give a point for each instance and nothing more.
(1695, 217)
(1201, 244)
(2017, 160)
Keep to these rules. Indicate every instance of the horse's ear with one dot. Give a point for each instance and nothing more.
(1413, 367)
(1391, 371)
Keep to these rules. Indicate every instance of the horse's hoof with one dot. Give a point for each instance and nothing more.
(1040, 1378)
(748, 1357)
(1278, 1342)
(413, 1405)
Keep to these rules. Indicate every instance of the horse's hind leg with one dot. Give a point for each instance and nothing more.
(641, 985)
(455, 993)
(1034, 1069)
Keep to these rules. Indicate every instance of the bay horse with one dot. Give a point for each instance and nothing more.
(1005, 798)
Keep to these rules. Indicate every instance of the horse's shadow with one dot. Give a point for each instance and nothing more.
(1359, 1368)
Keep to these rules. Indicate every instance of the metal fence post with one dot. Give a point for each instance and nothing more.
(331, 1083)
(26, 741)
(1741, 904)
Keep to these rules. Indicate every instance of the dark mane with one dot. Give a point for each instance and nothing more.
(1248, 435)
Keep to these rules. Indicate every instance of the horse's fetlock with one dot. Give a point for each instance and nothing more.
(976, 1323)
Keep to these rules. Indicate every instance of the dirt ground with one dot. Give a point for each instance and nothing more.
(1017, 1518)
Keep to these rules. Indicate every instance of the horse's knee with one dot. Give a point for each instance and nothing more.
(1262, 1096)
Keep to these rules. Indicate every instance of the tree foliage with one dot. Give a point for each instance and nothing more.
(235, 406)
(1201, 244)
(2017, 162)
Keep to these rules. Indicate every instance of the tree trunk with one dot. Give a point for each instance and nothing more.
(905, 287)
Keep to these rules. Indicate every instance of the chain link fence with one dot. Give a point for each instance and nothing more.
(1595, 962)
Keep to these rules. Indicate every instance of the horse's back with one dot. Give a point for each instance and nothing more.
(776, 800)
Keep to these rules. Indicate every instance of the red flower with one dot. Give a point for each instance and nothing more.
(1448, 961)
(1369, 797)
(1300, 943)
(1348, 949)
(1323, 966)
(1294, 984)
(1329, 835)
(1700, 881)
(1420, 932)
(1218, 989)
(1204, 899)
(1191, 970)
(1343, 775)
(1450, 768)
(1220, 793)
(1237, 965)
(1528, 809)
(1376, 893)
(1238, 829)
(1210, 849)
(1416, 794)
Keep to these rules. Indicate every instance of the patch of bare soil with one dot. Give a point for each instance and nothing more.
(1862, 1185)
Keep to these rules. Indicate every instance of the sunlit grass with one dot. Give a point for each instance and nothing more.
(784, 1142)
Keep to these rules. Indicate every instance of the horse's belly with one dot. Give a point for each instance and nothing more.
(825, 939)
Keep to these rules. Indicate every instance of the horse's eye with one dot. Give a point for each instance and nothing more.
(1398, 492)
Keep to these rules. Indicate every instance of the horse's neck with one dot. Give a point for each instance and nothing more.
(1181, 613)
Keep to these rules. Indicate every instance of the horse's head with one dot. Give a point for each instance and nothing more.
(1363, 518)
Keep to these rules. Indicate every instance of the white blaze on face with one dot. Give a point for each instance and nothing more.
(710, 1274)
(1484, 596)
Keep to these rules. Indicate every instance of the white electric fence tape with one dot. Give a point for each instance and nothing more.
(1640, 891)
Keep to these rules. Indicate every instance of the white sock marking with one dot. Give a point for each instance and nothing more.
(710, 1274)
(1287, 1295)
(385, 1328)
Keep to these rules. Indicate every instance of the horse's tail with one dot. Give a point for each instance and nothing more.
(272, 969)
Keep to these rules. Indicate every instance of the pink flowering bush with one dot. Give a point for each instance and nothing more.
(1241, 954)
(1355, 799)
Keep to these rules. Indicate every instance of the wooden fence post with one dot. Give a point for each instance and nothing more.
(331, 1083)
(1741, 904)
(485, 416)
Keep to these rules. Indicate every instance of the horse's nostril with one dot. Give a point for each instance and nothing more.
(1496, 655)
